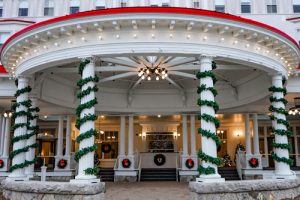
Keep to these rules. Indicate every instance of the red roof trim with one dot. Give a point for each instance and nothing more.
(17, 20)
(293, 18)
(132, 10)
(2, 70)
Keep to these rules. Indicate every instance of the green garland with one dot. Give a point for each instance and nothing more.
(26, 103)
(207, 158)
(203, 88)
(211, 135)
(278, 110)
(288, 161)
(209, 104)
(84, 151)
(86, 105)
(22, 150)
(207, 170)
(274, 99)
(282, 146)
(208, 118)
(278, 89)
(92, 171)
(284, 122)
(85, 135)
(87, 92)
(22, 91)
(22, 165)
(89, 117)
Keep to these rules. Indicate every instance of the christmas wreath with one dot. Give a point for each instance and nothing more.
(253, 162)
(1, 163)
(189, 163)
(105, 148)
(126, 163)
(62, 163)
(159, 159)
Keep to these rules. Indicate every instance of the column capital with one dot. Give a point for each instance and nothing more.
(206, 57)
(24, 79)
(91, 58)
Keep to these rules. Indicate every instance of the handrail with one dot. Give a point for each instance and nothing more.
(239, 165)
(140, 168)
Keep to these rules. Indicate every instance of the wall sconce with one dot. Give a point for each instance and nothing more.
(175, 135)
(144, 136)
(7, 114)
(238, 133)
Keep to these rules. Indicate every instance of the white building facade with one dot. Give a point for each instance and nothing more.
(149, 56)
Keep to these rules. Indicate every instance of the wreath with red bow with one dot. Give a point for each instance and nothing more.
(1, 163)
(253, 162)
(126, 163)
(189, 163)
(62, 163)
(105, 148)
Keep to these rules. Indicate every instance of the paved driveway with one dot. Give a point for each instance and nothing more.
(147, 191)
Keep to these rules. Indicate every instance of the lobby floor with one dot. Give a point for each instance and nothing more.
(147, 191)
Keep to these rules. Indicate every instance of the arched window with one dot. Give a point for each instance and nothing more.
(100, 4)
(49, 8)
(220, 5)
(1, 8)
(245, 6)
(296, 6)
(271, 6)
(74, 6)
(23, 8)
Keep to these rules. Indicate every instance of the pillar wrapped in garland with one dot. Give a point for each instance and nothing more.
(209, 123)
(85, 121)
(19, 139)
(280, 127)
(32, 131)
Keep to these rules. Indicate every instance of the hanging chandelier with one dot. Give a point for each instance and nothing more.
(296, 109)
(151, 73)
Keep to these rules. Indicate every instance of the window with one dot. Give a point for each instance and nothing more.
(154, 3)
(23, 8)
(245, 6)
(100, 4)
(271, 6)
(3, 37)
(123, 3)
(220, 5)
(74, 6)
(49, 8)
(296, 6)
(165, 3)
(1, 8)
(196, 4)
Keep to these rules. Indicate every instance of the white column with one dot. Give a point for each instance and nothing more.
(255, 135)
(247, 135)
(30, 154)
(19, 173)
(86, 161)
(2, 134)
(130, 136)
(68, 136)
(281, 168)
(59, 145)
(122, 137)
(193, 136)
(184, 136)
(209, 146)
(6, 138)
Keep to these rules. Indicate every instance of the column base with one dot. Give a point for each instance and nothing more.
(85, 181)
(216, 178)
(280, 176)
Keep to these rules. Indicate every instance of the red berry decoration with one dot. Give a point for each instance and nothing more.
(62, 163)
(189, 163)
(1, 163)
(253, 162)
(126, 163)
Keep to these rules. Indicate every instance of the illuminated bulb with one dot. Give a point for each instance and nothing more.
(135, 35)
(247, 45)
(21, 57)
(171, 35)
(188, 36)
(143, 77)
(100, 37)
(149, 78)
(159, 116)
(277, 54)
(141, 73)
(204, 38)
(45, 47)
(36, 50)
(222, 39)
(148, 71)
(166, 75)
(117, 36)
(268, 51)
(281, 58)
(163, 72)
(156, 71)
(153, 36)
(290, 112)
(163, 77)
(235, 42)
(5, 115)
(69, 41)
(157, 78)
(296, 111)
(83, 38)
(55, 44)
(258, 48)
